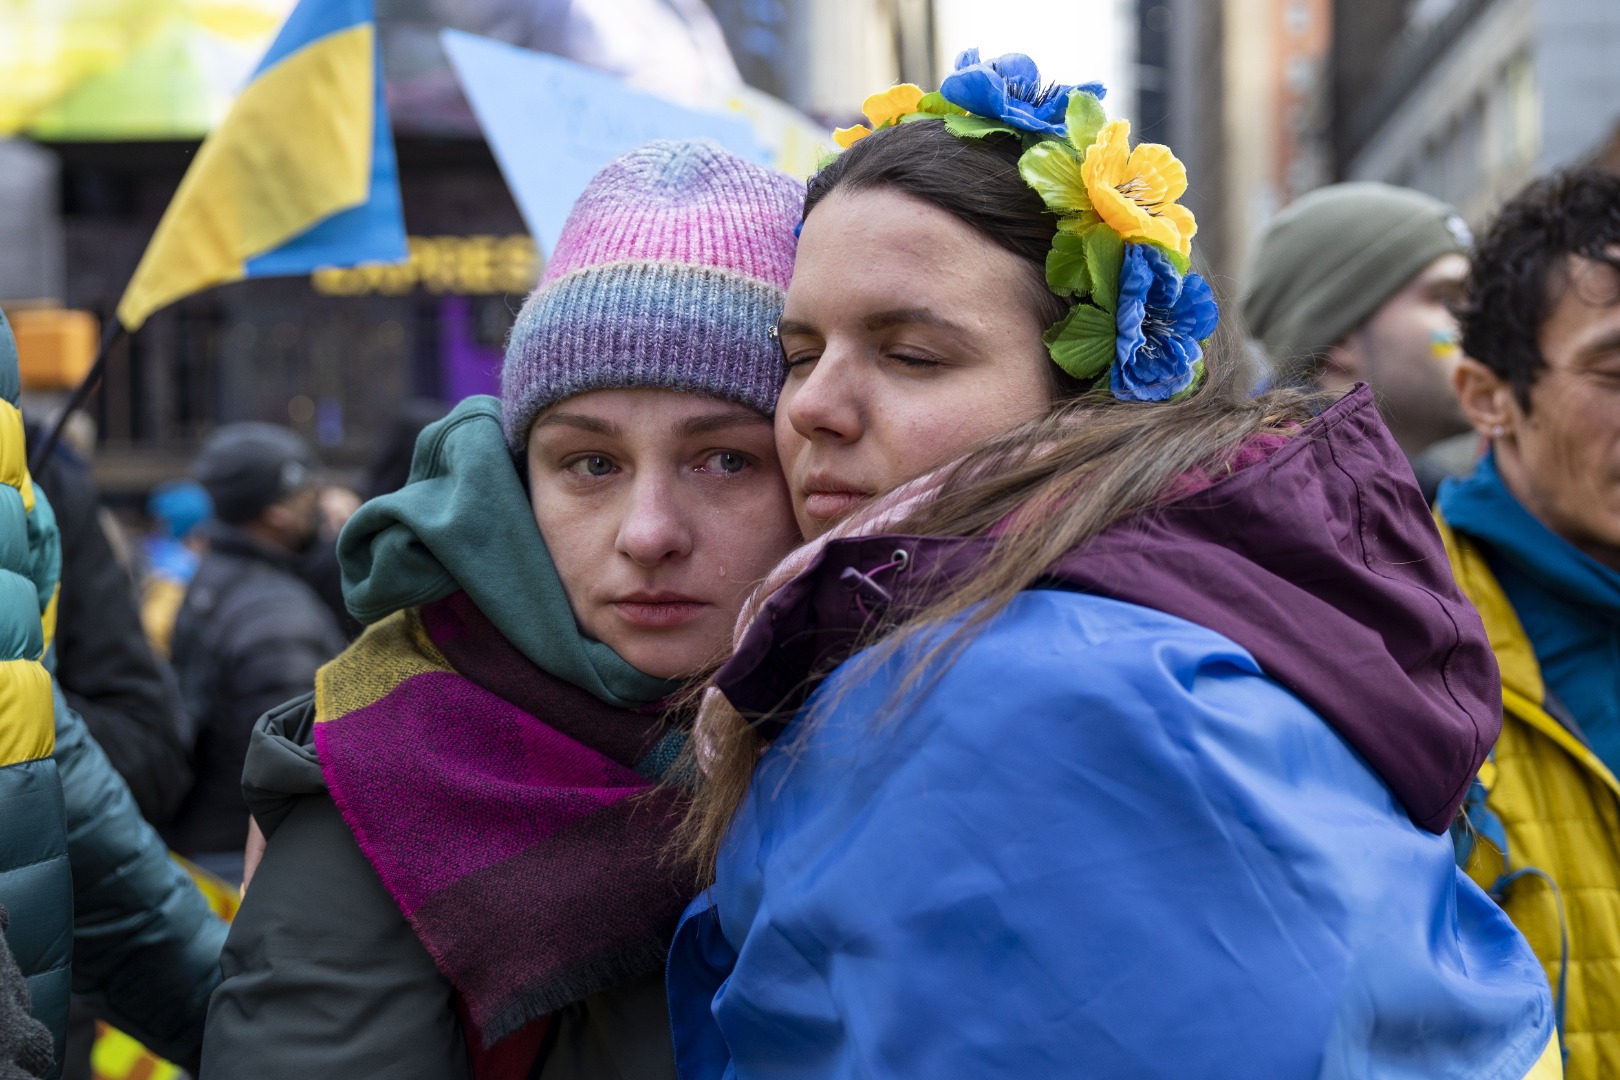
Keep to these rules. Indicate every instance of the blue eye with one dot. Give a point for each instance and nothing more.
(592, 465)
(726, 461)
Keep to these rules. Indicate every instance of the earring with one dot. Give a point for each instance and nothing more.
(1498, 431)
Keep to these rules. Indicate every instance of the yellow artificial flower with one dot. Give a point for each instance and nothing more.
(888, 106)
(881, 109)
(848, 137)
(1135, 191)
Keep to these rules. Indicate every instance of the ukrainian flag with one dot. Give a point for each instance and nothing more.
(301, 173)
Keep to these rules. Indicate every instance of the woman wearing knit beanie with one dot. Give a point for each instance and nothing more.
(1113, 722)
(467, 819)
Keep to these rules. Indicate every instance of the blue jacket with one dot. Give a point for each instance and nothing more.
(1100, 843)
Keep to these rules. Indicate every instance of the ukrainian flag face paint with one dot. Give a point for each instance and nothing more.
(1445, 344)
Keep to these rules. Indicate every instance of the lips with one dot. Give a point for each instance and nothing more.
(828, 500)
(659, 610)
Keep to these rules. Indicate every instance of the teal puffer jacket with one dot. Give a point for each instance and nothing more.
(81, 872)
(36, 886)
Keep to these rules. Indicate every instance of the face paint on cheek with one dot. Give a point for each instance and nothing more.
(1445, 344)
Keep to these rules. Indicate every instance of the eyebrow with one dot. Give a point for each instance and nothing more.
(582, 422)
(1604, 346)
(881, 320)
(703, 425)
(694, 425)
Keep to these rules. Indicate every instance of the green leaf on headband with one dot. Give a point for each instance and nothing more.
(934, 105)
(1085, 117)
(1105, 255)
(1083, 343)
(975, 127)
(1066, 272)
(1051, 168)
(1192, 387)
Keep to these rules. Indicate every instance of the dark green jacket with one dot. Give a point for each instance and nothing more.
(324, 977)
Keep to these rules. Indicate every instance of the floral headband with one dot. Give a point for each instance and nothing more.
(1123, 244)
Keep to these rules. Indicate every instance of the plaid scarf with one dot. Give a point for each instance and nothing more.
(513, 816)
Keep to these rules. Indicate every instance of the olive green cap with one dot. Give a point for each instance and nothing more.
(1331, 259)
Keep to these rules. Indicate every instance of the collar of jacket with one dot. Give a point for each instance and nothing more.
(1321, 560)
(1524, 692)
(1481, 506)
(462, 523)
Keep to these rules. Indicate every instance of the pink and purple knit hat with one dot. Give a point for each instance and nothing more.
(669, 273)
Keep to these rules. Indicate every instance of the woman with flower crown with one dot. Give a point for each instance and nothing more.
(1112, 721)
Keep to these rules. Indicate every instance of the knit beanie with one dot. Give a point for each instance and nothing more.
(670, 272)
(1330, 260)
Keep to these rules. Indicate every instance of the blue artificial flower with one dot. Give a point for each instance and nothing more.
(1161, 319)
(1009, 89)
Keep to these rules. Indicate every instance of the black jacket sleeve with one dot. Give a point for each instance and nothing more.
(145, 944)
(103, 662)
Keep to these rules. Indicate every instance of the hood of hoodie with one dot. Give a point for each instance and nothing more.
(463, 523)
(1320, 559)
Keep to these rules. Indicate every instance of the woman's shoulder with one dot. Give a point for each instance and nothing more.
(1068, 676)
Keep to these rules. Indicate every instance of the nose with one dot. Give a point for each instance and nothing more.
(823, 406)
(656, 527)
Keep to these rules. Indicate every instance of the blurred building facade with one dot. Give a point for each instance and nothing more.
(1463, 99)
(824, 56)
(1476, 96)
(1244, 92)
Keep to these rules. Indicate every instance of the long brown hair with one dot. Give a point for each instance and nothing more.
(1051, 484)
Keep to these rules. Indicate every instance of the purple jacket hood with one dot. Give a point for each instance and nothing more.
(1321, 560)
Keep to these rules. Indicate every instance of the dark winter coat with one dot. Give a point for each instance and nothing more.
(145, 944)
(249, 636)
(103, 662)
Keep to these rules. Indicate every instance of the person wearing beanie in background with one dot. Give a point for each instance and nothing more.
(467, 820)
(250, 633)
(1534, 539)
(1356, 282)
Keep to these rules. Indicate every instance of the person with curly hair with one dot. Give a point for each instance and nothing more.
(1534, 539)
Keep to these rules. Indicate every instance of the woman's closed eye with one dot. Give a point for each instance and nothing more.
(913, 359)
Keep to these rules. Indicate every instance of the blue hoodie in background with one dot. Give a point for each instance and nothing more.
(1567, 601)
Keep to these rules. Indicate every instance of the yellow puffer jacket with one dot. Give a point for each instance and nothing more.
(1559, 808)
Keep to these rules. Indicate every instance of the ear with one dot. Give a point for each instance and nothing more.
(1487, 399)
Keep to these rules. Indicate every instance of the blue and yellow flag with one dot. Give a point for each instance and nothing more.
(300, 174)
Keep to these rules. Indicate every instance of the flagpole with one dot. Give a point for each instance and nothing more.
(110, 335)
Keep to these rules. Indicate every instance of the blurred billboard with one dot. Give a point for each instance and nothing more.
(128, 70)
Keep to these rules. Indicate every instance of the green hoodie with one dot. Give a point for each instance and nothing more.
(463, 523)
